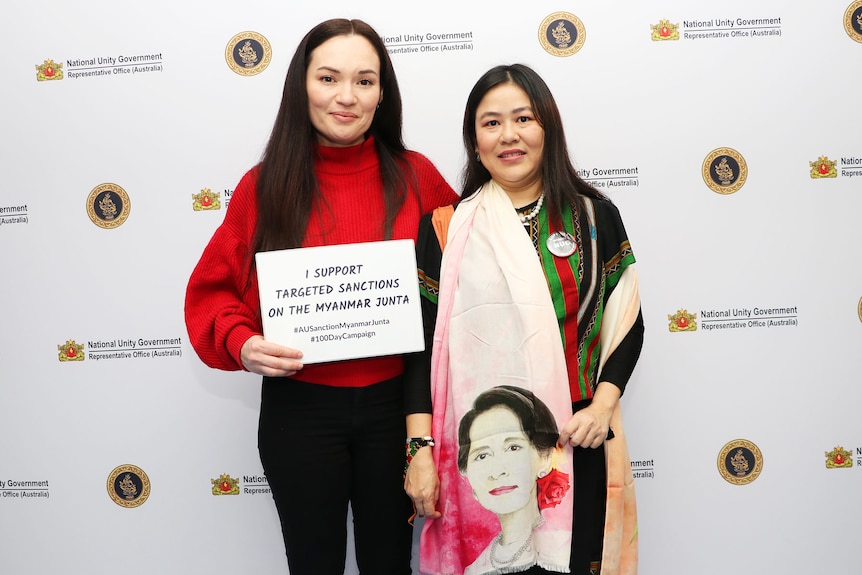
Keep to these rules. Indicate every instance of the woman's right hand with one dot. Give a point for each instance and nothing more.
(266, 358)
(422, 484)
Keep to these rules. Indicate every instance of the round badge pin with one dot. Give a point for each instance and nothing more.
(561, 244)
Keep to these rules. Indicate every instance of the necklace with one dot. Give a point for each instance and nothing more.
(525, 218)
(497, 563)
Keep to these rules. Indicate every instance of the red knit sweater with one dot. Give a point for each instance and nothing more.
(222, 311)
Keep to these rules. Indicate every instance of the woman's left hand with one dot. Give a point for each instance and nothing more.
(589, 426)
(422, 484)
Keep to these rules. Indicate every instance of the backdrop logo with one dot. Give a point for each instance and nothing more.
(823, 168)
(248, 53)
(206, 200)
(724, 170)
(49, 70)
(839, 458)
(71, 351)
(859, 309)
(664, 30)
(225, 485)
(740, 462)
(682, 321)
(562, 34)
(128, 486)
(108, 206)
(853, 20)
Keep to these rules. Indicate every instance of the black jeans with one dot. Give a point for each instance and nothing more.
(322, 447)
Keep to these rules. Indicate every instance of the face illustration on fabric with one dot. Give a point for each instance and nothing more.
(503, 464)
(343, 84)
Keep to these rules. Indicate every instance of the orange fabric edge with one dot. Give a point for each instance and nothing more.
(440, 219)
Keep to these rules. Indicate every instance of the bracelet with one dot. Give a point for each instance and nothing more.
(413, 445)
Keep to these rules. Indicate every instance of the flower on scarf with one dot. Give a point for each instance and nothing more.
(552, 488)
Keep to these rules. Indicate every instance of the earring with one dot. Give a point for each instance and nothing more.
(477, 157)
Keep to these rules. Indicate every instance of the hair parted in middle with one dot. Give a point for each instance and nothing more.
(287, 185)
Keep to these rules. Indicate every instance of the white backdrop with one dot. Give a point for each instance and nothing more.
(784, 241)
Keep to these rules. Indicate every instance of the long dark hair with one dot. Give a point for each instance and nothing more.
(536, 419)
(287, 185)
(561, 181)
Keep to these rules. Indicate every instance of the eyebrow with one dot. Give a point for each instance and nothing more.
(506, 440)
(515, 111)
(337, 71)
(519, 438)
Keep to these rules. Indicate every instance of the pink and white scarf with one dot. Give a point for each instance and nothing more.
(496, 325)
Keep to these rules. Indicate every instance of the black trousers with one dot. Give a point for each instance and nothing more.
(324, 447)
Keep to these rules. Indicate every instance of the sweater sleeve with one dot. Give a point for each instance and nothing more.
(434, 190)
(221, 305)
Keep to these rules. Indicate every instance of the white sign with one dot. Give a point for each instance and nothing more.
(342, 302)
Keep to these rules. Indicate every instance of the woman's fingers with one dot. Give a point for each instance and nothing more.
(270, 359)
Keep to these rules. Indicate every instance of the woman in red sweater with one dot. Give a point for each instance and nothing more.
(334, 171)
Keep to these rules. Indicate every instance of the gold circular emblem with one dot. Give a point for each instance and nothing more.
(128, 486)
(248, 53)
(724, 170)
(740, 462)
(108, 206)
(853, 20)
(859, 310)
(562, 34)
